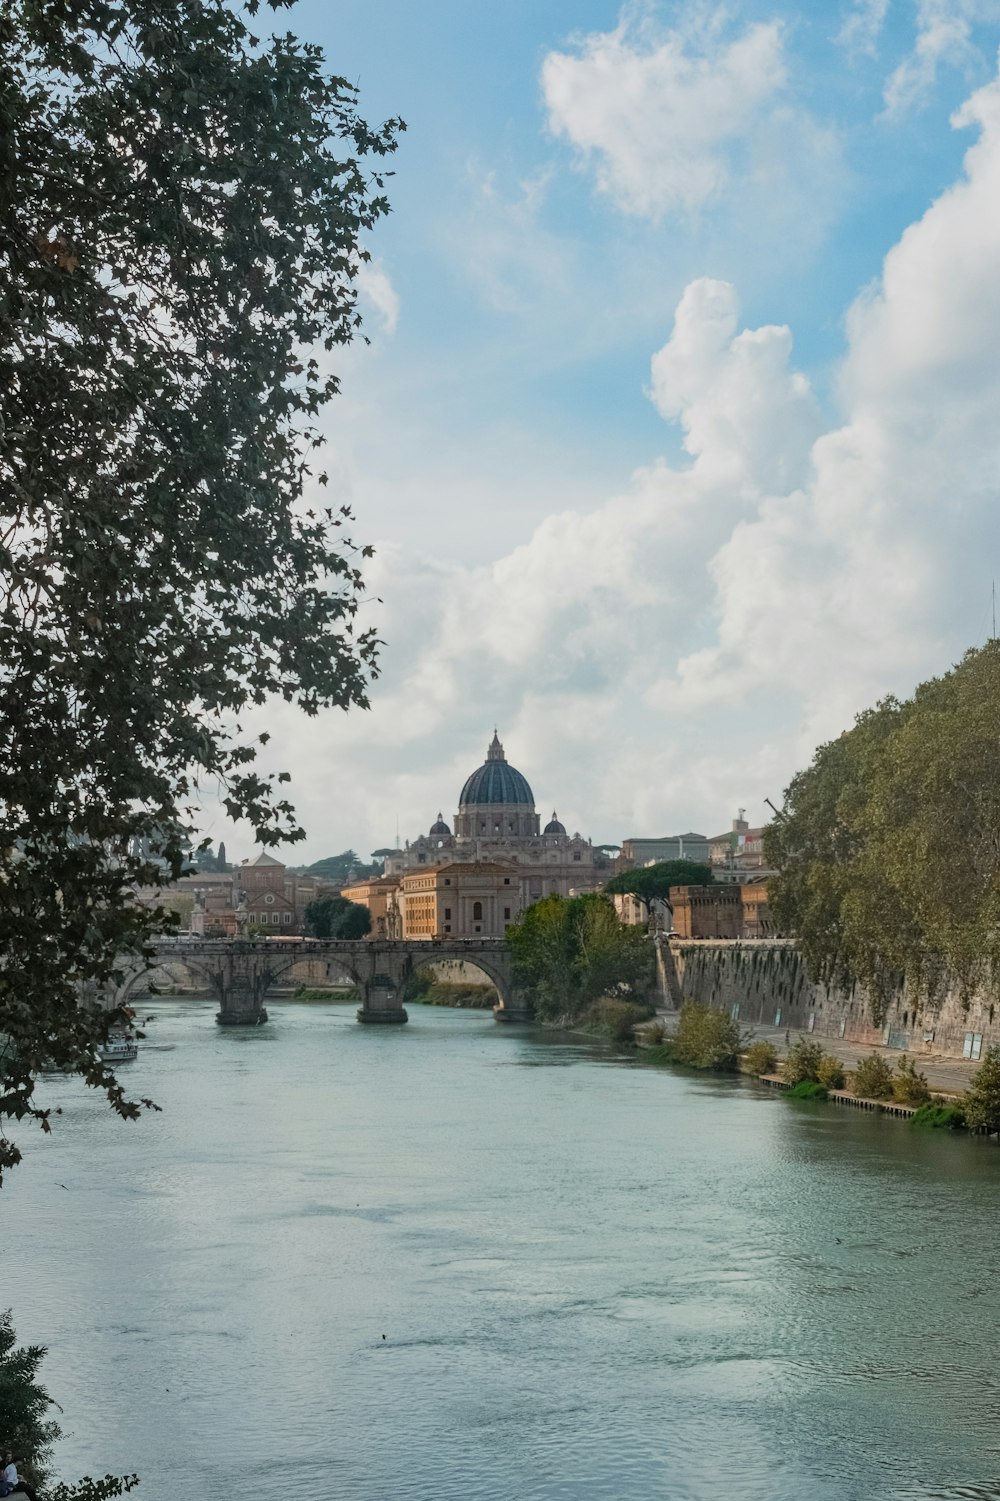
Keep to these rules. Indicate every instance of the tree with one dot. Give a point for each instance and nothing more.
(222, 863)
(26, 1432)
(336, 917)
(982, 1098)
(182, 216)
(569, 953)
(337, 868)
(653, 881)
(888, 852)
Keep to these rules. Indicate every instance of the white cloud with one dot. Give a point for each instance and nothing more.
(669, 121)
(378, 291)
(863, 25)
(944, 37)
(680, 649)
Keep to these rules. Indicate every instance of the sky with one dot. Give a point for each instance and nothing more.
(678, 434)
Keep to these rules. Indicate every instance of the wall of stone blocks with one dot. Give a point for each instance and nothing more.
(767, 980)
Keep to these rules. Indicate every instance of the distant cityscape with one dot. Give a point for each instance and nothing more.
(477, 875)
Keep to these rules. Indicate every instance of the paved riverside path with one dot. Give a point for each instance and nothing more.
(944, 1075)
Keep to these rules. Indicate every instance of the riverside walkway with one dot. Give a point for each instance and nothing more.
(944, 1075)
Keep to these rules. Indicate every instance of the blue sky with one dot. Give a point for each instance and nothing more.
(666, 557)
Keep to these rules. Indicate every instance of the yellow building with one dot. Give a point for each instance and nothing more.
(460, 900)
(381, 896)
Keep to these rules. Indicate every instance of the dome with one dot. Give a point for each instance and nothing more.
(554, 826)
(440, 829)
(496, 782)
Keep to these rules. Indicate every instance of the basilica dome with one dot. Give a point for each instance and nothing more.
(554, 826)
(496, 782)
(439, 829)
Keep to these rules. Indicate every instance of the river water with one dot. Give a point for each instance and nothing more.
(458, 1262)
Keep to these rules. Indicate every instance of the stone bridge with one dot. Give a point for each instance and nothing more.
(242, 971)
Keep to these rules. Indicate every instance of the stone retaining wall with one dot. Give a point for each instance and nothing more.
(766, 980)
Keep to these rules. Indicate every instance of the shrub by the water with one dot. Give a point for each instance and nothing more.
(808, 1089)
(462, 997)
(654, 1034)
(830, 1072)
(802, 1062)
(761, 1057)
(909, 1087)
(872, 1079)
(982, 1098)
(615, 1019)
(938, 1116)
(707, 1039)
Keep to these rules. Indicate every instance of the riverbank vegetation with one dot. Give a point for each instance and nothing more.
(570, 952)
(760, 1058)
(705, 1039)
(28, 1433)
(615, 1019)
(886, 852)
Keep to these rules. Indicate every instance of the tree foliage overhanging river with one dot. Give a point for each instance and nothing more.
(595, 1280)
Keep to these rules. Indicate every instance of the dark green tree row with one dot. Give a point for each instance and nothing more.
(888, 852)
(336, 917)
(570, 953)
(184, 206)
(651, 881)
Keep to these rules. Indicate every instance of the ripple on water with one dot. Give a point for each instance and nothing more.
(597, 1283)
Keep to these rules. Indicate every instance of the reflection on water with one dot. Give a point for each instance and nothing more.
(455, 1260)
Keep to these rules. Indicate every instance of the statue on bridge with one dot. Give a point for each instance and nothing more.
(242, 914)
(393, 920)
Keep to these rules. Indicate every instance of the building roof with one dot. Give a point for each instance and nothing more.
(496, 782)
(439, 827)
(554, 826)
(264, 859)
(467, 867)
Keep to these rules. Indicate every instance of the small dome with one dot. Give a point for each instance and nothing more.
(496, 781)
(440, 829)
(554, 826)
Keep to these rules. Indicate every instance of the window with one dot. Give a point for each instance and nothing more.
(288, 917)
(506, 912)
(447, 880)
(447, 927)
(506, 880)
(576, 855)
(478, 928)
(447, 913)
(421, 859)
(477, 912)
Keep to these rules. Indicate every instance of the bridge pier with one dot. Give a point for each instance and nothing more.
(514, 1009)
(241, 980)
(383, 1003)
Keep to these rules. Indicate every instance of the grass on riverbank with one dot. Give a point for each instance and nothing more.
(461, 997)
(614, 1019)
(317, 993)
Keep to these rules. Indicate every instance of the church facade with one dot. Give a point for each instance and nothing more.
(496, 830)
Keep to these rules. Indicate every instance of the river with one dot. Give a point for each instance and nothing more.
(459, 1262)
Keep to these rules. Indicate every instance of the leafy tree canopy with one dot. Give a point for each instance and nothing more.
(339, 867)
(183, 208)
(569, 953)
(656, 880)
(336, 917)
(26, 1432)
(889, 850)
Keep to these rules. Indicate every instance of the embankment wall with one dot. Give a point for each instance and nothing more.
(766, 980)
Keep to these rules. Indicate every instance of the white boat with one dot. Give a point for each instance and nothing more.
(119, 1048)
